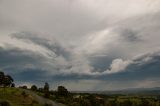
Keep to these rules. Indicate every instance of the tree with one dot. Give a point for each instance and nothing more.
(46, 90)
(34, 88)
(13, 85)
(7, 81)
(1, 78)
(62, 91)
(23, 87)
(46, 87)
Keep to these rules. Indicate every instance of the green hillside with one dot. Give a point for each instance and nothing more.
(20, 97)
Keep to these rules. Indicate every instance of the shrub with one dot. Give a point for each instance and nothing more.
(24, 94)
(46, 104)
(5, 103)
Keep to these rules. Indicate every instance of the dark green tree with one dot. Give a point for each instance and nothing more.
(7, 81)
(12, 85)
(62, 91)
(1, 78)
(46, 90)
(46, 87)
(34, 88)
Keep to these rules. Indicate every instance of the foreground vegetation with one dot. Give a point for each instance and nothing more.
(86, 99)
(16, 97)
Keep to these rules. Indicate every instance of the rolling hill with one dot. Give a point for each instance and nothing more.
(22, 97)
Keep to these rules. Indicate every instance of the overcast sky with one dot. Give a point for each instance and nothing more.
(81, 44)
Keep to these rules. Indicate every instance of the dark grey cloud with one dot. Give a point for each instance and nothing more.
(143, 72)
(15, 56)
(51, 45)
(98, 63)
(145, 66)
(28, 75)
(101, 62)
(142, 68)
(84, 42)
(129, 35)
(22, 64)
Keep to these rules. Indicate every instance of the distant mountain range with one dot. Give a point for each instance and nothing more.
(141, 91)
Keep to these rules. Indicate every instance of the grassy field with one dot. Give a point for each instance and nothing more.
(22, 97)
(17, 97)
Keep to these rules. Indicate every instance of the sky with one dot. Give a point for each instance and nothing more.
(84, 45)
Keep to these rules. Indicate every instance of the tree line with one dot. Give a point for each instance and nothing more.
(60, 92)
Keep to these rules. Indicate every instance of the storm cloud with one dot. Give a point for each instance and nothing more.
(83, 44)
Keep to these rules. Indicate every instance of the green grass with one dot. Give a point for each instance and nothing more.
(15, 97)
